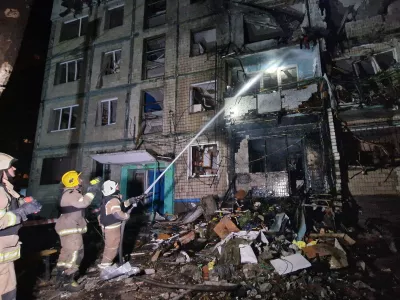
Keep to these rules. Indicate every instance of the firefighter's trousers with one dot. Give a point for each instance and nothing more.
(112, 239)
(8, 281)
(71, 253)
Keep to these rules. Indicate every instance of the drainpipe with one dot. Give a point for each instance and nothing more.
(129, 91)
(308, 13)
(176, 75)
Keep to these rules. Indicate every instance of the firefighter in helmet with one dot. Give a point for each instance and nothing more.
(111, 217)
(13, 210)
(71, 225)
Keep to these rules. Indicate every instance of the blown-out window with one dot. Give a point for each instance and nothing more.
(112, 62)
(202, 96)
(107, 112)
(64, 118)
(154, 57)
(74, 28)
(153, 103)
(114, 17)
(155, 12)
(204, 160)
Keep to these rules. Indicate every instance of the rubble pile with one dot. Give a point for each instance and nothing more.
(257, 248)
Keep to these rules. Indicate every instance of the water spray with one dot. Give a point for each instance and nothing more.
(240, 92)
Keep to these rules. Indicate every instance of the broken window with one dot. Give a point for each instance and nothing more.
(54, 168)
(114, 17)
(153, 104)
(385, 60)
(365, 68)
(203, 41)
(257, 156)
(154, 57)
(112, 62)
(204, 160)
(260, 27)
(155, 13)
(107, 112)
(74, 28)
(288, 77)
(64, 118)
(269, 80)
(202, 96)
(69, 71)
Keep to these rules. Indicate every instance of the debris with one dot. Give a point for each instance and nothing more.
(224, 227)
(290, 264)
(115, 271)
(156, 255)
(149, 271)
(187, 238)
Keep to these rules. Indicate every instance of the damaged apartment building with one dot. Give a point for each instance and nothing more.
(363, 70)
(129, 83)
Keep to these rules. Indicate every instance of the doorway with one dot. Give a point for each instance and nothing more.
(135, 179)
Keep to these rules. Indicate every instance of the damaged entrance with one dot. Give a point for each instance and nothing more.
(138, 170)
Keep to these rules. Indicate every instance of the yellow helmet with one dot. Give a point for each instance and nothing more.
(70, 179)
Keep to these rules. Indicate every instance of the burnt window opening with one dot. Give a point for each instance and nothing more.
(64, 118)
(74, 28)
(269, 80)
(260, 28)
(204, 41)
(101, 170)
(155, 13)
(107, 112)
(288, 77)
(112, 62)
(365, 68)
(204, 160)
(154, 57)
(68, 71)
(202, 96)
(54, 168)
(257, 156)
(276, 155)
(114, 17)
(153, 106)
(385, 60)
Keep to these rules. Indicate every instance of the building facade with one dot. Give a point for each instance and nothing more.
(129, 83)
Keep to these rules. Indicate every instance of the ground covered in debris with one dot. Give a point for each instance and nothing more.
(251, 249)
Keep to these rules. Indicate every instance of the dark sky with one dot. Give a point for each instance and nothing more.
(21, 98)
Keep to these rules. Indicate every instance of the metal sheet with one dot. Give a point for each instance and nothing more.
(123, 158)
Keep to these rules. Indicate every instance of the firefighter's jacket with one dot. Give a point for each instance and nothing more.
(72, 207)
(111, 214)
(9, 226)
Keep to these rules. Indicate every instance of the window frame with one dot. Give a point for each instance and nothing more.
(192, 41)
(146, 14)
(66, 70)
(107, 16)
(190, 158)
(109, 112)
(144, 116)
(60, 117)
(113, 57)
(191, 105)
(145, 52)
(79, 19)
(278, 71)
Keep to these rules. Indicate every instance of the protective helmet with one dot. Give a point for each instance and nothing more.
(70, 179)
(109, 187)
(6, 161)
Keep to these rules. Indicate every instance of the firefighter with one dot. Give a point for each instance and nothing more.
(71, 225)
(13, 210)
(111, 217)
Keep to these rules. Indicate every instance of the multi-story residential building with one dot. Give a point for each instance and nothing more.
(364, 73)
(129, 83)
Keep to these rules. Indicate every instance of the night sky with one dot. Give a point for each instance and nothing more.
(21, 98)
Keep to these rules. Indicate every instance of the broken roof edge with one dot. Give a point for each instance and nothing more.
(124, 158)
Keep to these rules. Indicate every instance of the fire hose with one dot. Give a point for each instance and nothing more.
(197, 287)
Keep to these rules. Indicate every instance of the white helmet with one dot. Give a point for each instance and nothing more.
(109, 187)
(6, 161)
